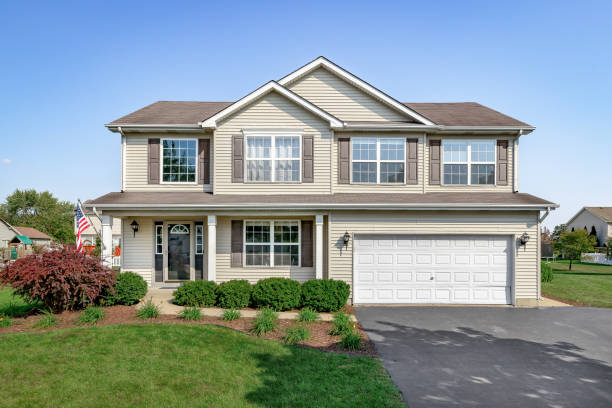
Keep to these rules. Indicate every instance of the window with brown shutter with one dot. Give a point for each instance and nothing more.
(344, 161)
(153, 161)
(236, 245)
(237, 159)
(502, 163)
(434, 162)
(412, 160)
(307, 159)
(307, 246)
(204, 161)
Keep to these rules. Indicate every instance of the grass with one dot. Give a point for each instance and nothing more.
(307, 315)
(297, 334)
(162, 365)
(191, 313)
(148, 311)
(91, 315)
(231, 314)
(15, 306)
(264, 322)
(5, 321)
(588, 284)
(46, 321)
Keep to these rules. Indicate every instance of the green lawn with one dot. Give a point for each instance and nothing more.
(14, 305)
(585, 283)
(165, 365)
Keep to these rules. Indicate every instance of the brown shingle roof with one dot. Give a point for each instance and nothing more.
(605, 213)
(32, 233)
(172, 113)
(317, 200)
(463, 114)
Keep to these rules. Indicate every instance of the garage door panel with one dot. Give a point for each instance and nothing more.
(432, 269)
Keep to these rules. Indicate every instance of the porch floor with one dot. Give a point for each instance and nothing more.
(163, 299)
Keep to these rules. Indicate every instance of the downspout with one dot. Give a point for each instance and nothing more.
(515, 163)
(123, 152)
(424, 147)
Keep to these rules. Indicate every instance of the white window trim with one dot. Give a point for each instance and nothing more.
(469, 161)
(199, 231)
(161, 161)
(159, 227)
(378, 161)
(272, 134)
(271, 243)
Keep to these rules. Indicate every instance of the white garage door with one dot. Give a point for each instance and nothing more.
(432, 269)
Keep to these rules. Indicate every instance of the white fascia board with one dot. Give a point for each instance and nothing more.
(211, 122)
(358, 82)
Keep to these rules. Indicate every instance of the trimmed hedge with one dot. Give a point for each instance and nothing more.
(277, 293)
(196, 294)
(325, 295)
(130, 288)
(234, 294)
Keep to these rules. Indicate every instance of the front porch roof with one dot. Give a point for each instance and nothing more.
(340, 201)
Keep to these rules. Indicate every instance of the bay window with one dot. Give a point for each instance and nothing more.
(272, 243)
(468, 162)
(378, 160)
(273, 158)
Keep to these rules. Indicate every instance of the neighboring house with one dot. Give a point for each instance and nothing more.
(38, 238)
(7, 233)
(89, 235)
(321, 175)
(595, 220)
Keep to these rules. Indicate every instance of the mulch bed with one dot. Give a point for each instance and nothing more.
(320, 339)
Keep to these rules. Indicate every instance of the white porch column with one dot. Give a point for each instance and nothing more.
(107, 240)
(212, 248)
(319, 247)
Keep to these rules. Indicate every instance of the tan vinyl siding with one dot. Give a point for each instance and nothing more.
(272, 111)
(137, 251)
(376, 188)
(437, 222)
(341, 99)
(136, 165)
(225, 272)
(487, 188)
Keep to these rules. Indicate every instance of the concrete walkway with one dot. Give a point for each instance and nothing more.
(163, 299)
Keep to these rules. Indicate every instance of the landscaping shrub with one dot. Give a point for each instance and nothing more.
(277, 293)
(63, 279)
(298, 334)
(342, 324)
(230, 315)
(47, 320)
(234, 294)
(191, 313)
(546, 272)
(264, 322)
(129, 289)
(91, 315)
(307, 315)
(196, 294)
(325, 295)
(5, 321)
(148, 311)
(351, 340)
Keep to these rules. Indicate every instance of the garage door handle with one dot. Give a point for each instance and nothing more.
(431, 278)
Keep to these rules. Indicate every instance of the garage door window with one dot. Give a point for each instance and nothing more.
(469, 162)
(272, 243)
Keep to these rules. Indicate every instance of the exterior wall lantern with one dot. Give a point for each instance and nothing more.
(134, 226)
(524, 239)
(346, 238)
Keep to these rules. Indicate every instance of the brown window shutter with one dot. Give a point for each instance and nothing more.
(307, 159)
(502, 163)
(434, 161)
(344, 161)
(153, 161)
(236, 260)
(204, 161)
(307, 253)
(237, 159)
(412, 160)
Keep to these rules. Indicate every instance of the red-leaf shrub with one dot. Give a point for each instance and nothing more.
(62, 280)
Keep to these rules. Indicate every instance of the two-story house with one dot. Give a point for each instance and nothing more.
(321, 175)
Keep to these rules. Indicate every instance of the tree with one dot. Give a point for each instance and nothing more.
(573, 244)
(559, 229)
(545, 235)
(40, 210)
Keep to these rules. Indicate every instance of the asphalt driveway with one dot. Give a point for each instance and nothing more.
(495, 357)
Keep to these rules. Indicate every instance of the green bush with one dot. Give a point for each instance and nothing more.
(307, 315)
(277, 293)
(5, 321)
(91, 315)
(298, 334)
(148, 311)
(234, 294)
(47, 320)
(546, 272)
(342, 324)
(325, 295)
(231, 314)
(351, 340)
(191, 313)
(264, 322)
(130, 288)
(196, 294)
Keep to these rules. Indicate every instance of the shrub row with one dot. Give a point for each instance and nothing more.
(319, 295)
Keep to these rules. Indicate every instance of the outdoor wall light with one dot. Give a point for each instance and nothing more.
(524, 238)
(134, 226)
(346, 238)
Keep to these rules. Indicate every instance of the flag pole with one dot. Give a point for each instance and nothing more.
(84, 214)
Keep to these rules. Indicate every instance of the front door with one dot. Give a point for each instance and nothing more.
(179, 256)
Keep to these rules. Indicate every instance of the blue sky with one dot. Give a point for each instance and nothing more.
(68, 68)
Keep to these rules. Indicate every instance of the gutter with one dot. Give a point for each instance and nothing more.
(543, 217)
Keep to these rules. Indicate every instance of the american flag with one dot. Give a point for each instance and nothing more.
(82, 223)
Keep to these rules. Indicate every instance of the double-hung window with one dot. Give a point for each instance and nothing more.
(179, 160)
(273, 158)
(272, 243)
(378, 160)
(469, 162)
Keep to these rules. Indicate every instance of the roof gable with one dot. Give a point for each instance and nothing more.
(603, 213)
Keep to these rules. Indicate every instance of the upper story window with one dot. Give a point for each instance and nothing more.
(378, 160)
(273, 158)
(179, 160)
(468, 162)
